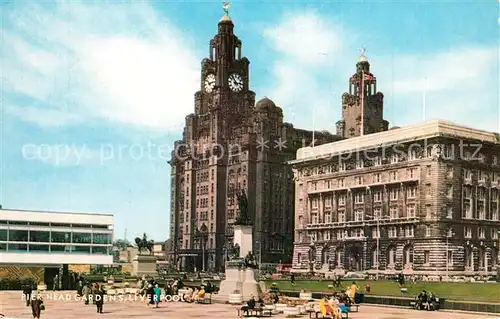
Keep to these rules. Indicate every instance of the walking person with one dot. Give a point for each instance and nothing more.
(37, 306)
(157, 295)
(86, 293)
(27, 290)
(150, 295)
(99, 302)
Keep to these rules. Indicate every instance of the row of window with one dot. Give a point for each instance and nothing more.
(54, 237)
(444, 151)
(359, 214)
(34, 248)
(42, 224)
(359, 197)
(395, 232)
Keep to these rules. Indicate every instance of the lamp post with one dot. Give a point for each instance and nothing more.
(449, 234)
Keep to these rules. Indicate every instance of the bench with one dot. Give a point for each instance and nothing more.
(319, 315)
(354, 307)
(205, 301)
(257, 312)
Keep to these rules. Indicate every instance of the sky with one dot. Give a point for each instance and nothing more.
(94, 93)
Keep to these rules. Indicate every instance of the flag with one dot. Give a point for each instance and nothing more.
(368, 77)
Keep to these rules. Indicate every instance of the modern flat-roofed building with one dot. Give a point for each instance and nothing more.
(422, 199)
(32, 242)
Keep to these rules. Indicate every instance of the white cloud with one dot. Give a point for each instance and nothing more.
(62, 155)
(461, 82)
(306, 37)
(78, 60)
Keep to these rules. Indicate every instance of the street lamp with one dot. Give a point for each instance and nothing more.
(449, 234)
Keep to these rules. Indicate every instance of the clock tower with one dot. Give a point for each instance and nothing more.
(225, 85)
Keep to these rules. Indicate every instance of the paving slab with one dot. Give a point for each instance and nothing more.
(61, 305)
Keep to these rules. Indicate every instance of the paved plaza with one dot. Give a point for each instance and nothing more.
(12, 306)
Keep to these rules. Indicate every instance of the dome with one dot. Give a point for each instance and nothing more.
(363, 58)
(265, 104)
(225, 18)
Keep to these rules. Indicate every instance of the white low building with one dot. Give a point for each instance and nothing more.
(45, 238)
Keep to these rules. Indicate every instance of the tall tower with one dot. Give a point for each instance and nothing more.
(362, 106)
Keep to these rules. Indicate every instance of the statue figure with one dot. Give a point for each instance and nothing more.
(243, 218)
(312, 252)
(235, 254)
(144, 244)
(250, 261)
(226, 5)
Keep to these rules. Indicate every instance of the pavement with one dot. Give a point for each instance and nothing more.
(65, 305)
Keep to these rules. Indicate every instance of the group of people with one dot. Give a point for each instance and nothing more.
(194, 295)
(92, 292)
(338, 302)
(33, 299)
(426, 300)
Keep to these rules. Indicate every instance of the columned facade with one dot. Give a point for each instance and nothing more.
(419, 200)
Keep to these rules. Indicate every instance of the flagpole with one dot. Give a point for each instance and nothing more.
(314, 127)
(424, 97)
(362, 103)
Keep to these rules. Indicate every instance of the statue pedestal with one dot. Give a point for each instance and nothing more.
(144, 265)
(250, 286)
(243, 237)
(231, 284)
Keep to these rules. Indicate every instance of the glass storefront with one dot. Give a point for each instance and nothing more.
(102, 239)
(17, 247)
(18, 235)
(47, 241)
(82, 238)
(100, 250)
(39, 248)
(61, 237)
(60, 248)
(81, 249)
(3, 235)
(39, 236)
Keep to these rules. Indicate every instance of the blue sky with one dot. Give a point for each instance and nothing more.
(95, 93)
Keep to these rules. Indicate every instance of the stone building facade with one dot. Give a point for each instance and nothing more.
(421, 199)
(231, 143)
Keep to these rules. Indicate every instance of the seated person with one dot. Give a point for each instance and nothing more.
(188, 296)
(201, 293)
(275, 297)
(422, 302)
(249, 306)
(325, 308)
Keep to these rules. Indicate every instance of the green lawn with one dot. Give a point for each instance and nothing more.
(450, 291)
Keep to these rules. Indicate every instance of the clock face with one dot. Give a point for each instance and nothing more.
(209, 83)
(235, 82)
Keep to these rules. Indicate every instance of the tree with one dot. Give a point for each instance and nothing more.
(122, 244)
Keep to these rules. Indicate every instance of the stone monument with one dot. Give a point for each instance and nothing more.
(144, 263)
(240, 269)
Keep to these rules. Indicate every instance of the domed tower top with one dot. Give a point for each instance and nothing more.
(363, 65)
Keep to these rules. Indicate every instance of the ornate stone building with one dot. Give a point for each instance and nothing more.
(230, 143)
(421, 199)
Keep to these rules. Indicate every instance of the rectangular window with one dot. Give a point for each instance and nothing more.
(81, 249)
(429, 170)
(39, 248)
(467, 232)
(411, 192)
(18, 235)
(393, 194)
(427, 257)
(377, 178)
(393, 212)
(377, 213)
(99, 250)
(102, 239)
(17, 247)
(377, 196)
(358, 215)
(341, 200)
(40, 236)
(82, 238)
(377, 161)
(412, 155)
(411, 211)
(341, 216)
(394, 158)
(359, 198)
(3, 235)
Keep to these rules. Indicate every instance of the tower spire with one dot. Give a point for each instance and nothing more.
(226, 5)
